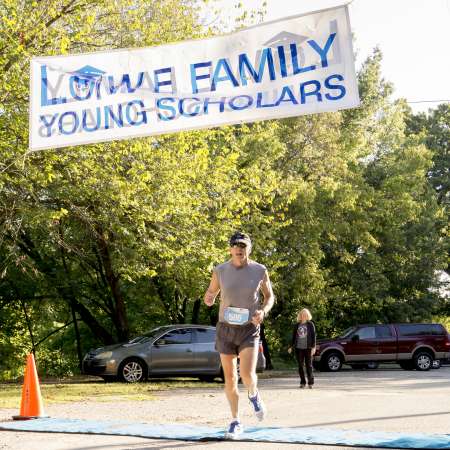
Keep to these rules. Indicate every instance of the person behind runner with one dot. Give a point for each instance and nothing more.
(239, 282)
(304, 343)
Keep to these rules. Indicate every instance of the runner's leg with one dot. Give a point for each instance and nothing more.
(248, 357)
(229, 367)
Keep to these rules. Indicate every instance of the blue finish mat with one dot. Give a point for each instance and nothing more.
(184, 432)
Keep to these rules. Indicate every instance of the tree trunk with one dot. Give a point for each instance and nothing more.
(213, 316)
(46, 267)
(120, 314)
(72, 309)
(77, 338)
(29, 326)
(98, 330)
(183, 310)
(196, 310)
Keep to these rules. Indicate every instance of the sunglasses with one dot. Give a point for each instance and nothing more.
(240, 245)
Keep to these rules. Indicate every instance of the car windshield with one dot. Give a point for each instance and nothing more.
(347, 332)
(147, 336)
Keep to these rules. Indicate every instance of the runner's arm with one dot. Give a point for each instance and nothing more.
(269, 299)
(212, 291)
(267, 291)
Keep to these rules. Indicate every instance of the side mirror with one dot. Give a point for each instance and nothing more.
(355, 338)
(160, 342)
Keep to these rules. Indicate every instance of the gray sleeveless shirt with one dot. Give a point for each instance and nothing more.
(239, 286)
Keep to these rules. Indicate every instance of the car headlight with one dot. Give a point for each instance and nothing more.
(103, 355)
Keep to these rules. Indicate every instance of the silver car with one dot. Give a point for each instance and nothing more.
(172, 350)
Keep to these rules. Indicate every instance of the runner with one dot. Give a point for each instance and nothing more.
(239, 281)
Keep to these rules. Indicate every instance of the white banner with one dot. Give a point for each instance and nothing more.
(294, 66)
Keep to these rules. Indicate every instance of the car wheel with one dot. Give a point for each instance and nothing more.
(436, 364)
(333, 362)
(423, 361)
(133, 370)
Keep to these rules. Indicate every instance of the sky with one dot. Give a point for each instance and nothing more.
(413, 35)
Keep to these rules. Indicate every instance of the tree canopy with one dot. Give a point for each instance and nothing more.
(348, 210)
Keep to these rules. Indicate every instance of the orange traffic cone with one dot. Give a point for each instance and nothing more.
(31, 406)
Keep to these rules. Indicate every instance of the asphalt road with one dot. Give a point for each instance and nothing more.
(378, 400)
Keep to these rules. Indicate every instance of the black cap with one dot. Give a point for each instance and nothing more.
(242, 238)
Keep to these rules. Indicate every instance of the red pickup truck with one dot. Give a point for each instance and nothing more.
(412, 345)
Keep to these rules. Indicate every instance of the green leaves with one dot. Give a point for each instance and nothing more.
(124, 235)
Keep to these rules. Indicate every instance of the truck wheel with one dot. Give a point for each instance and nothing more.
(372, 365)
(332, 362)
(423, 361)
(406, 365)
(437, 364)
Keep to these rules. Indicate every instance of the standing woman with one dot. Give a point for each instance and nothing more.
(304, 344)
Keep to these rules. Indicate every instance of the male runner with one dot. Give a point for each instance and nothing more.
(239, 281)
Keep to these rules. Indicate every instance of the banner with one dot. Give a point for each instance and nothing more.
(289, 67)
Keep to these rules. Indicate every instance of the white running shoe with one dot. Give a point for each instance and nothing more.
(234, 430)
(258, 406)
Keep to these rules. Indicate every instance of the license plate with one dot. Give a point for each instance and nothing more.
(236, 316)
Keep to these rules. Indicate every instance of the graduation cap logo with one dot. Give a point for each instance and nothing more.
(85, 77)
(285, 38)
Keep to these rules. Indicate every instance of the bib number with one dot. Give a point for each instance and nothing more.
(236, 316)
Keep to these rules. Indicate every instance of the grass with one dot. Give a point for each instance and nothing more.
(285, 364)
(82, 391)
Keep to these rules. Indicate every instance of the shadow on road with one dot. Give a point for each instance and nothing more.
(372, 419)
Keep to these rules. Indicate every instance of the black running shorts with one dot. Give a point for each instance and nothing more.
(231, 339)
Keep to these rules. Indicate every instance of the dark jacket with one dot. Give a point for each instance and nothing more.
(311, 337)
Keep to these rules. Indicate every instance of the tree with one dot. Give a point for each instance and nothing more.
(362, 244)
(104, 241)
(36, 234)
(124, 227)
(433, 129)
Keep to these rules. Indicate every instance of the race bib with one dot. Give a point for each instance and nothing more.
(236, 316)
